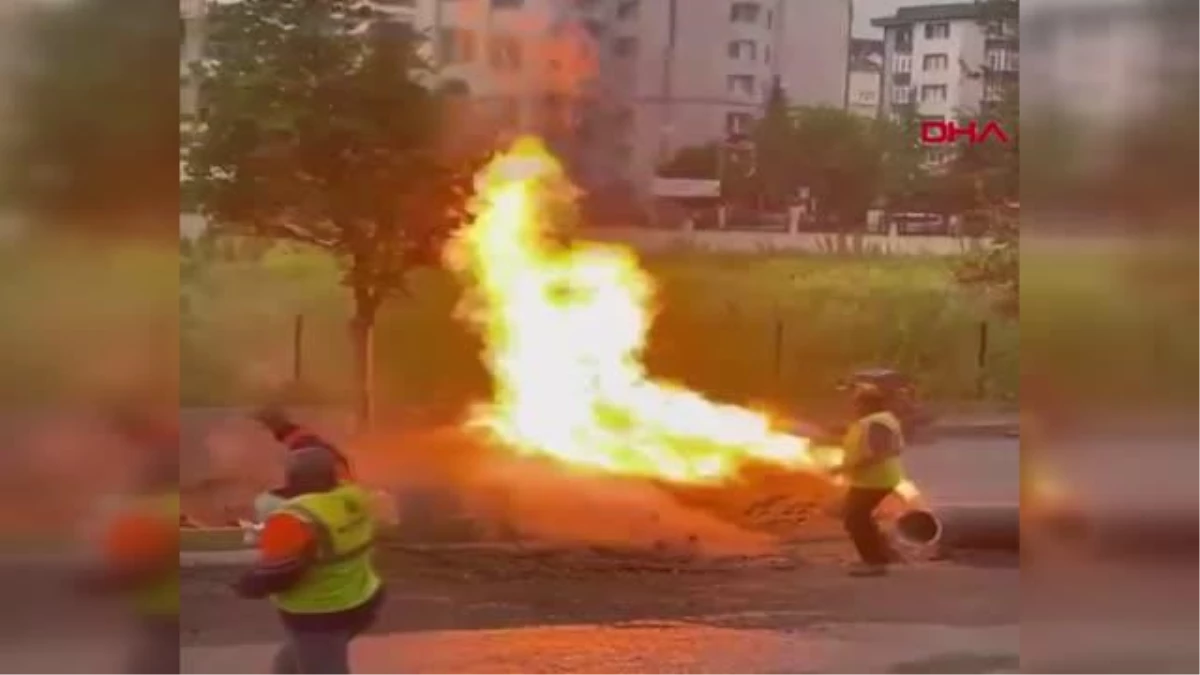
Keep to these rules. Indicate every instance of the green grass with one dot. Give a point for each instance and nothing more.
(781, 329)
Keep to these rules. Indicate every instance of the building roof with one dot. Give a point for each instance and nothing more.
(917, 13)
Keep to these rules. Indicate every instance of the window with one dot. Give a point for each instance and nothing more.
(935, 62)
(864, 96)
(904, 40)
(744, 12)
(937, 31)
(738, 123)
(902, 63)
(504, 52)
(625, 47)
(741, 84)
(743, 50)
(457, 45)
(1002, 60)
(628, 9)
(902, 95)
(767, 54)
(933, 93)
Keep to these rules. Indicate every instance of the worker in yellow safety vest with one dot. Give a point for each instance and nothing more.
(314, 563)
(872, 469)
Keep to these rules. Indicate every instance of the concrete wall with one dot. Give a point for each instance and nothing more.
(650, 241)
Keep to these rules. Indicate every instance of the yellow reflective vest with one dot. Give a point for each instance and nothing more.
(886, 474)
(342, 577)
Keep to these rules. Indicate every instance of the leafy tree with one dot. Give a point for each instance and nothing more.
(773, 139)
(315, 127)
(93, 141)
(837, 155)
(904, 180)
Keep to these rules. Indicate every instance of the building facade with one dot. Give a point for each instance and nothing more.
(624, 84)
(864, 81)
(945, 61)
(618, 86)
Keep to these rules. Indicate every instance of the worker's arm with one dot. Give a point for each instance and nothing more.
(879, 443)
(286, 549)
(295, 436)
(136, 548)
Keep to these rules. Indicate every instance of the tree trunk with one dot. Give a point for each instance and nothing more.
(362, 338)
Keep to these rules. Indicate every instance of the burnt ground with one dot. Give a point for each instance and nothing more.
(473, 588)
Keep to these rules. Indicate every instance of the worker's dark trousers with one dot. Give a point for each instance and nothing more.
(155, 646)
(323, 651)
(859, 521)
(324, 646)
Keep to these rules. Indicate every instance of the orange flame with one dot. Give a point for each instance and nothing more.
(564, 329)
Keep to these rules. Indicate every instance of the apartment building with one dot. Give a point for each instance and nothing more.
(618, 86)
(944, 61)
(864, 78)
(191, 48)
(623, 84)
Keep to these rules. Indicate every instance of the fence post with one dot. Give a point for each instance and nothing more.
(298, 348)
(981, 361)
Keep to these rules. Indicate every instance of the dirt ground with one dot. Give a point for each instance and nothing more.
(449, 588)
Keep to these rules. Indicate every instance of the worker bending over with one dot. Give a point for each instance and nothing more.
(872, 468)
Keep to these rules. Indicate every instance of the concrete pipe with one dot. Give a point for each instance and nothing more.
(971, 527)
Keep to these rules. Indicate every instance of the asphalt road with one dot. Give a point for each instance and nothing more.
(970, 470)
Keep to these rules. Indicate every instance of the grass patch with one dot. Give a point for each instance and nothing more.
(779, 328)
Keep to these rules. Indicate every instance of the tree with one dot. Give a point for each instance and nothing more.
(904, 180)
(774, 161)
(836, 154)
(93, 141)
(315, 127)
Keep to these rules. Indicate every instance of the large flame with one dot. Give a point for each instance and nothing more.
(564, 330)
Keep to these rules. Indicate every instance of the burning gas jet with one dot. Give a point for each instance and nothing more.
(564, 328)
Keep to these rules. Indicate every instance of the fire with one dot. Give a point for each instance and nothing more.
(564, 328)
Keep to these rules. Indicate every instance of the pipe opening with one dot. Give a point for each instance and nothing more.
(919, 527)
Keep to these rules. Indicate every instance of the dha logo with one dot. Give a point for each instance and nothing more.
(941, 132)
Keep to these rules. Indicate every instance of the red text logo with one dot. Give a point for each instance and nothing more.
(940, 132)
